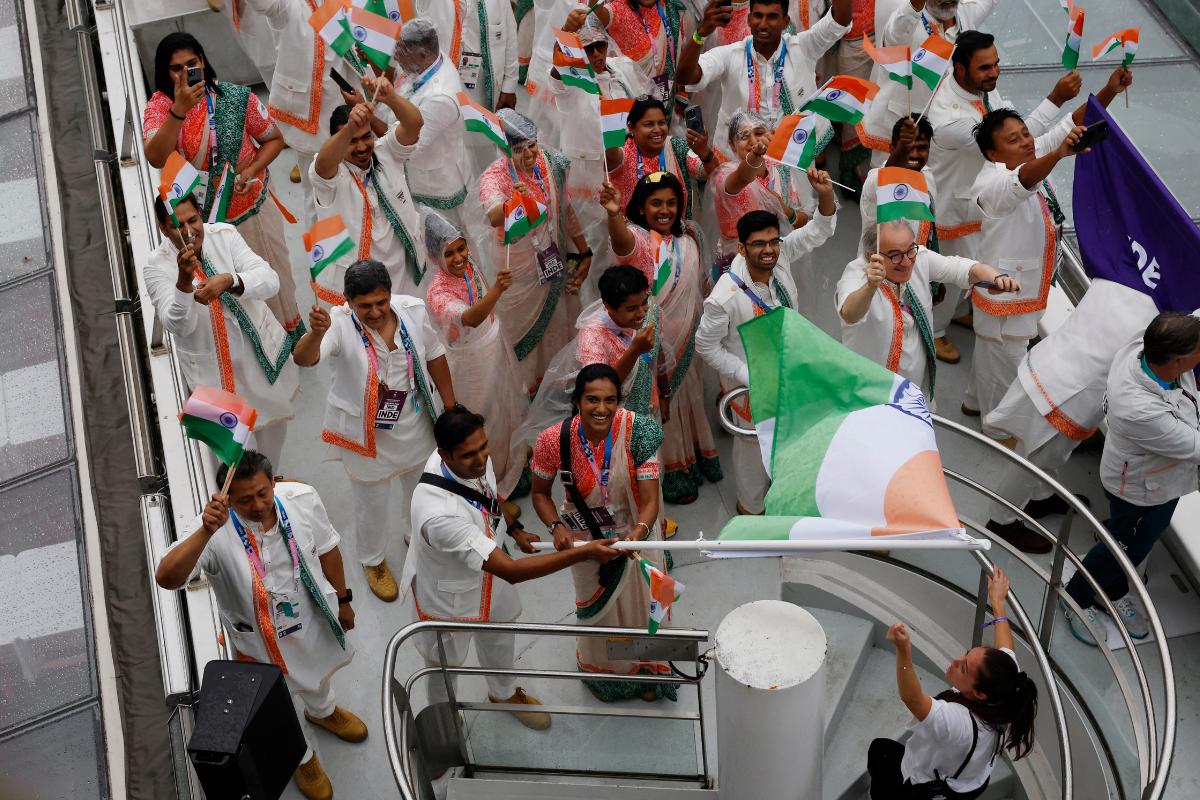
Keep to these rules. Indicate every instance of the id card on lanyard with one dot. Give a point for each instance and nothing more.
(754, 78)
(662, 83)
(641, 167)
(391, 401)
(285, 606)
(549, 259)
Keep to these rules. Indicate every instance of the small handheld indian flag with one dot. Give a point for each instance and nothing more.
(326, 242)
(220, 419)
(843, 98)
(662, 273)
(521, 215)
(479, 120)
(568, 50)
(664, 590)
(1070, 55)
(1066, 6)
(1128, 39)
(580, 78)
(932, 60)
(613, 114)
(223, 195)
(794, 142)
(376, 36)
(400, 11)
(902, 194)
(896, 61)
(179, 179)
(330, 23)
(849, 445)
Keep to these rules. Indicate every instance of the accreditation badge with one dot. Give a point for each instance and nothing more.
(285, 613)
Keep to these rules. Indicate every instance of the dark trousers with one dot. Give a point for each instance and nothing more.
(887, 783)
(1136, 529)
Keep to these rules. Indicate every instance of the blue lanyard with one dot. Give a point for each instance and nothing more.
(408, 353)
(487, 492)
(537, 173)
(670, 36)
(285, 530)
(212, 131)
(662, 161)
(754, 298)
(420, 81)
(750, 72)
(469, 276)
(602, 472)
(620, 334)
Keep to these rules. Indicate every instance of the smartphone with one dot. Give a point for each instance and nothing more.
(694, 119)
(1097, 132)
(195, 75)
(342, 83)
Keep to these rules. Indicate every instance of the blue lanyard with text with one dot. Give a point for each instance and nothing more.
(285, 530)
(752, 77)
(420, 81)
(486, 492)
(601, 473)
(754, 298)
(666, 27)
(641, 168)
(212, 131)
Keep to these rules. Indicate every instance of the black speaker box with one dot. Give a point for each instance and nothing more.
(247, 741)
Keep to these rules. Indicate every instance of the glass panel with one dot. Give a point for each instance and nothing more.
(45, 658)
(24, 242)
(14, 91)
(58, 760)
(32, 415)
(1033, 31)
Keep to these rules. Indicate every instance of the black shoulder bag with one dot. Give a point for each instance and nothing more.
(938, 789)
(610, 571)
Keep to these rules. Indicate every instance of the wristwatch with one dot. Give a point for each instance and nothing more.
(347, 598)
(554, 524)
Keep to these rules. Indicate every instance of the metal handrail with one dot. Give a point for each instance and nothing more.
(397, 745)
(1153, 774)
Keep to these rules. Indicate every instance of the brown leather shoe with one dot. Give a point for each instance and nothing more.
(945, 350)
(380, 579)
(534, 720)
(312, 781)
(1020, 537)
(294, 175)
(342, 724)
(967, 320)
(741, 509)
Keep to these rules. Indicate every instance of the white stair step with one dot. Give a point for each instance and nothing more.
(492, 786)
(850, 643)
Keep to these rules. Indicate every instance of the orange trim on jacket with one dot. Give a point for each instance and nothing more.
(1012, 308)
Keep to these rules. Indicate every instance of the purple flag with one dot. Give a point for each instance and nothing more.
(1131, 229)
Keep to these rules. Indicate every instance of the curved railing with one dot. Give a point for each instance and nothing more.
(1154, 746)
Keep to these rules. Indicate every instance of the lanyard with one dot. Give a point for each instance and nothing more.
(755, 79)
(537, 173)
(285, 530)
(620, 334)
(212, 131)
(485, 490)
(469, 275)
(374, 358)
(601, 473)
(666, 28)
(662, 161)
(420, 81)
(754, 298)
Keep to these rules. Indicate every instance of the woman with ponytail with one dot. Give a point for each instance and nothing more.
(957, 735)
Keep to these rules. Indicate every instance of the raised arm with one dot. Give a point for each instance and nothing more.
(858, 302)
(307, 351)
(162, 143)
(618, 227)
(997, 592)
(1120, 80)
(907, 682)
(178, 562)
(333, 152)
(688, 70)
(408, 117)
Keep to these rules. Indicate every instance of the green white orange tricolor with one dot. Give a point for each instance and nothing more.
(930, 62)
(843, 98)
(521, 215)
(1127, 38)
(222, 195)
(330, 23)
(794, 142)
(326, 242)
(580, 78)
(613, 114)
(849, 445)
(1071, 47)
(664, 590)
(568, 50)
(662, 273)
(479, 120)
(902, 194)
(220, 419)
(179, 179)
(376, 35)
(896, 61)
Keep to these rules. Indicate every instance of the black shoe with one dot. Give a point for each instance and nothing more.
(1020, 537)
(1052, 505)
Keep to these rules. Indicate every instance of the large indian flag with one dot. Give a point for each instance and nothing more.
(843, 98)
(330, 23)
(896, 61)
(1070, 55)
(932, 60)
(220, 419)
(902, 194)
(794, 142)
(613, 114)
(1127, 38)
(849, 445)
(479, 120)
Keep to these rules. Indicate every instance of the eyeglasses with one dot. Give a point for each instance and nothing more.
(762, 244)
(898, 258)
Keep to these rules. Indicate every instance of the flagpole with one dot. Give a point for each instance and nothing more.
(793, 166)
(1127, 88)
(229, 478)
(791, 546)
(939, 85)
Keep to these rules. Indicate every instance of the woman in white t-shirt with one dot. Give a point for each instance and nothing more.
(957, 735)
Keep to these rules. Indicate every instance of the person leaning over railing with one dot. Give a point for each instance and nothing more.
(957, 735)
(1149, 461)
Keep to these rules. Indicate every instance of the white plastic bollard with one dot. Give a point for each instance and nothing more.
(770, 702)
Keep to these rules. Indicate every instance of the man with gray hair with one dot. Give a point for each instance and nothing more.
(1149, 461)
(885, 305)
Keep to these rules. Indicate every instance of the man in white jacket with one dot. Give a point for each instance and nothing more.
(272, 560)
(209, 290)
(1150, 457)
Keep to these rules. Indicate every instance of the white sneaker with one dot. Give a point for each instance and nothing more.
(1081, 631)
(1132, 618)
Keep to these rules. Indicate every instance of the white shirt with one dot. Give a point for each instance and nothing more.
(724, 72)
(450, 544)
(437, 167)
(872, 335)
(501, 42)
(342, 195)
(727, 306)
(1017, 237)
(942, 740)
(190, 326)
(311, 653)
(401, 448)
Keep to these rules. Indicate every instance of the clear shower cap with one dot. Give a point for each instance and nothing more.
(742, 123)
(517, 127)
(419, 35)
(439, 232)
(592, 32)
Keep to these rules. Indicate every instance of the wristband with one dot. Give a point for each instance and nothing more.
(554, 524)
(584, 254)
(993, 622)
(176, 116)
(697, 38)
(347, 598)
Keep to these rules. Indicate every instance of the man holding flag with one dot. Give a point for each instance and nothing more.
(209, 290)
(272, 560)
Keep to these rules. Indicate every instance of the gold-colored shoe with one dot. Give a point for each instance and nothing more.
(741, 509)
(216, 5)
(945, 350)
(342, 724)
(312, 781)
(380, 579)
(534, 720)
(512, 509)
(294, 175)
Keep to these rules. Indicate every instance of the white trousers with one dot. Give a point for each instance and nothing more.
(493, 650)
(319, 703)
(994, 368)
(752, 480)
(269, 442)
(952, 305)
(1019, 487)
(373, 529)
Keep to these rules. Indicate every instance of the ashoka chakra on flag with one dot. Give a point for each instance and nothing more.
(799, 136)
(901, 191)
(318, 253)
(359, 32)
(920, 54)
(229, 420)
